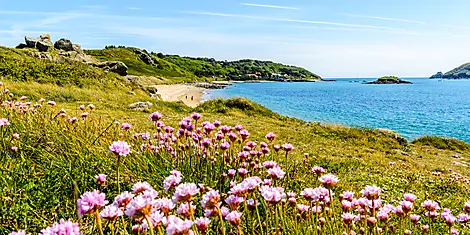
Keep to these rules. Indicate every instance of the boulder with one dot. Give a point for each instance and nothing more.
(144, 57)
(63, 44)
(77, 48)
(41, 55)
(141, 106)
(31, 42)
(21, 46)
(45, 36)
(113, 66)
(152, 90)
(44, 45)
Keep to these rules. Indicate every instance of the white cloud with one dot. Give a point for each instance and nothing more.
(269, 6)
(384, 18)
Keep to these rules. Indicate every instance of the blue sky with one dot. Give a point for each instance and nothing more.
(334, 38)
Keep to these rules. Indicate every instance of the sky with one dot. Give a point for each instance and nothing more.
(333, 38)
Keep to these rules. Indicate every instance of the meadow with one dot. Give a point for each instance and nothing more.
(76, 160)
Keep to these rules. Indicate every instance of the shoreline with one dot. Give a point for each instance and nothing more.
(189, 94)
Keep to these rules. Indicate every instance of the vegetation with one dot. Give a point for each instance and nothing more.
(388, 78)
(442, 143)
(461, 72)
(49, 159)
(190, 69)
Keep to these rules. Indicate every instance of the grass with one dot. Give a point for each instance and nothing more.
(442, 143)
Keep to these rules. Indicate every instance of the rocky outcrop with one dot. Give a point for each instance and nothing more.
(43, 43)
(63, 44)
(389, 80)
(141, 106)
(438, 75)
(146, 58)
(210, 85)
(113, 66)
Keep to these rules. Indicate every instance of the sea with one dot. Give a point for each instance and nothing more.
(426, 107)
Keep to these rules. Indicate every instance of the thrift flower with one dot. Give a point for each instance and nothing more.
(120, 148)
(21, 232)
(64, 227)
(123, 199)
(100, 179)
(155, 116)
(328, 180)
(371, 192)
(202, 223)
(234, 218)
(111, 212)
(276, 172)
(210, 199)
(91, 201)
(185, 192)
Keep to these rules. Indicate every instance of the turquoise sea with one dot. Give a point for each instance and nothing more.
(427, 107)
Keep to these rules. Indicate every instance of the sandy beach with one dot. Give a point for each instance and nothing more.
(188, 94)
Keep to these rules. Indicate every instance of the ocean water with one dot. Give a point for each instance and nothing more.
(427, 107)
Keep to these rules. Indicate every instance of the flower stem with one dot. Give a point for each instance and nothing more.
(150, 225)
(98, 222)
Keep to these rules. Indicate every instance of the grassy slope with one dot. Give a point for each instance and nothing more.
(183, 69)
(37, 184)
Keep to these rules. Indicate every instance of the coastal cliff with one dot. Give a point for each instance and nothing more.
(461, 72)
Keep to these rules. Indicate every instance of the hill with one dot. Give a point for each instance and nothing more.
(389, 80)
(461, 72)
(142, 63)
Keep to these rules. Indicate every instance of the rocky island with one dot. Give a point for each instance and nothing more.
(389, 80)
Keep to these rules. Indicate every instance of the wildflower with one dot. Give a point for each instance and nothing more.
(276, 148)
(61, 228)
(454, 231)
(141, 187)
(430, 205)
(234, 218)
(463, 218)
(21, 232)
(371, 221)
(111, 212)
(126, 126)
(272, 194)
(89, 202)
(202, 224)
(210, 199)
(186, 209)
(156, 217)
(242, 171)
(303, 208)
(177, 226)
(348, 217)
(232, 136)
(371, 192)
(91, 106)
(164, 204)
(270, 136)
(84, 114)
(4, 122)
(269, 164)
(407, 206)
(449, 219)
(185, 192)
(238, 127)
(407, 232)
(234, 201)
(100, 179)
(14, 148)
(16, 136)
(287, 147)
(244, 134)
(139, 206)
(120, 148)
(425, 228)
(346, 205)
(268, 182)
(347, 195)
(315, 194)
(318, 170)
(155, 116)
(409, 197)
(252, 203)
(276, 172)
(329, 180)
(466, 207)
(123, 199)
(172, 180)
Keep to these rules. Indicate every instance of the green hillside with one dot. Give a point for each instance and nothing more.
(205, 69)
(461, 72)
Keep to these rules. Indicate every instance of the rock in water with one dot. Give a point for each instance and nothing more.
(113, 66)
(63, 44)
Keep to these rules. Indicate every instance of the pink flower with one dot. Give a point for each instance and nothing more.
(126, 126)
(51, 103)
(155, 116)
(16, 136)
(84, 114)
(186, 209)
(270, 136)
(303, 208)
(430, 205)
(238, 127)
(449, 218)
(14, 148)
(164, 204)
(210, 199)
(177, 226)
(371, 192)
(100, 179)
(347, 195)
(4, 122)
(414, 218)
(62, 228)
(172, 180)
(276, 172)
(196, 116)
(91, 201)
(466, 207)
(202, 223)
(315, 194)
(348, 217)
(287, 147)
(21, 232)
(318, 170)
(234, 218)
(111, 212)
(185, 192)
(234, 201)
(269, 164)
(141, 187)
(91, 106)
(123, 199)
(328, 180)
(244, 134)
(463, 218)
(139, 206)
(242, 171)
(120, 148)
(272, 194)
(409, 197)
(407, 206)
